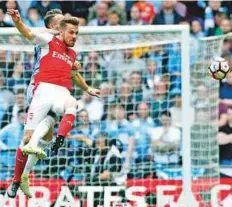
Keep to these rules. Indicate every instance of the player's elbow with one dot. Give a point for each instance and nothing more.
(29, 36)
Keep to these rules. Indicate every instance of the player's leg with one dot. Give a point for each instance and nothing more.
(70, 108)
(41, 130)
(38, 120)
(20, 162)
(33, 159)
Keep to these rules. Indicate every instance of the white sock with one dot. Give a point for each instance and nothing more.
(32, 159)
(41, 130)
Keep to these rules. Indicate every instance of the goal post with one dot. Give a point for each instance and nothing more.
(192, 164)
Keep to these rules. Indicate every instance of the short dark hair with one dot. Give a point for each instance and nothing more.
(114, 12)
(50, 15)
(20, 91)
(69, 20)
(166, 113)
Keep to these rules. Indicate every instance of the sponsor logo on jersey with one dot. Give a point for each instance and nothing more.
(63, 57)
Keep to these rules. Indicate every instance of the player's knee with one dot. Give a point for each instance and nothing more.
(71, 106)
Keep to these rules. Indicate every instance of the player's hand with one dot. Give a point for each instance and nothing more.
(77, 65)
(94, 92)
(14, 15)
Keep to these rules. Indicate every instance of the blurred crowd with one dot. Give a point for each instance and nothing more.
(141, 94)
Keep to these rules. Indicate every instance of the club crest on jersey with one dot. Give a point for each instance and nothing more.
(63, 57)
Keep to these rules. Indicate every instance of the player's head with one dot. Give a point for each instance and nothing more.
(69, 27)
(52, 19)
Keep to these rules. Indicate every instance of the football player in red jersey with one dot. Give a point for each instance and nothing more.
(66, 39)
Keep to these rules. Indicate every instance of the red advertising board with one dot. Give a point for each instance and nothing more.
(168, 193)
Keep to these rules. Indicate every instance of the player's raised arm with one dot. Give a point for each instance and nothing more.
(40, 38)
(23, 29)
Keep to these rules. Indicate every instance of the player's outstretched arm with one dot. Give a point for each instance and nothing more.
(23, 29)
(80, 81)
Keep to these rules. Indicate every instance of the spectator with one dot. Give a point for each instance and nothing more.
(138, 89)
(2, 22)
(82, 21)
(219, 16)
(226, 90)
(11, 135)
(106, 61)
(160, 55)
(126, 64)
(223, 117)
(112, 6)
(160, 100)
(168, 15)
(108, 96)
(92, 57)
(93, 76)
(16, 80)
(105, 166)
(135, 17)
(200, 102)
(224, 139)
(142, 125)
(33, 18)
(7, 99)
(45, 5)
(101, 16)
(76, 8)
(11, 114)
(176, 111)
(153, 75)
(113, 19)
(225, 26)
(24, 6)
(93, 106)
(197, 28)
(10, 4)
(121, 129)
(227, 48)
(84, 132)
(107, 92)
(165, 141)
(147, 11)
(125, 100)
(214, 13)
(194, 9)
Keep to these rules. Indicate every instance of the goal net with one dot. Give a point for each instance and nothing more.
(158, 107)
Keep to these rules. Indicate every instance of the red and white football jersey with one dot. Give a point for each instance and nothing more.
(56, 61)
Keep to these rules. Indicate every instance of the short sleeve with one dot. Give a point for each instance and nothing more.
(42, 38)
